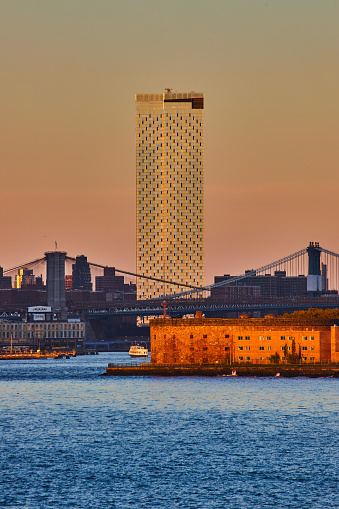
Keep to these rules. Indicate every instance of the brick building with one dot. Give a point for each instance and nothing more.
(249, 340)
(278, 285)
(109, 282)
(114, 286)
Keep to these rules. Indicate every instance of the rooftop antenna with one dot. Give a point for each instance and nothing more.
(56, 245)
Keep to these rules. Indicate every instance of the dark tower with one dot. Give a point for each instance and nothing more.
(314, 259)
(81, 274)
(314, 282)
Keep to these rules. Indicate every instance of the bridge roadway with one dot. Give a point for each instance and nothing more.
(208, 307)
(213, 308)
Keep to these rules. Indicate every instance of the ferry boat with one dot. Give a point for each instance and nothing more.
(137, 350)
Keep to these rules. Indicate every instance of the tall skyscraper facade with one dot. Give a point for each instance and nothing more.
(170, 191)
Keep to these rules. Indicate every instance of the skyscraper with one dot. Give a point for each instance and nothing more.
(170, 190)
(81, 274)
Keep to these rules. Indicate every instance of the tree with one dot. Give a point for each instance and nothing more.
(293, 357)
(275, 359)
(286, 352)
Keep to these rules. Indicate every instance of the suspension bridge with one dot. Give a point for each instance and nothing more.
(315, 267)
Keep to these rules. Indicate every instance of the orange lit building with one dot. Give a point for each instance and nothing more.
(68, 283)
(26, 280)
(244, 340)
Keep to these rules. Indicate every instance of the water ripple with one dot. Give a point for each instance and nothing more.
(73, 439)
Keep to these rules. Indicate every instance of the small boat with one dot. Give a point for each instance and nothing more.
(137, 350)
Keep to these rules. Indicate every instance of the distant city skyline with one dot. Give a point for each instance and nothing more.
(270, 79)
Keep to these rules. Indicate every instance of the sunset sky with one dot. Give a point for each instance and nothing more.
(70, 69)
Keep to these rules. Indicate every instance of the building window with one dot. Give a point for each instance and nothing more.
(261, 348)
(247, 338)
(304, 347)
(240, 358)
(312, 338)
(261, 338)
(191, 336)
(204, 348)
(268, 338)
(304, 338)
(227, 335)
(240, 347)
(247, 358)
(268, 348)
(240, 338)
(282, 338)
(311, 358)
(247, 348)
(205, 336)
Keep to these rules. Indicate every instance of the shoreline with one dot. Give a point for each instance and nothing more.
(283, 371)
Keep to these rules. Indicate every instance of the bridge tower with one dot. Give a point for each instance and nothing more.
(314, 279)
(56, 296)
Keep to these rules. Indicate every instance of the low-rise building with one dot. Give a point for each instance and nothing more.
(243, 340)
(39, 330)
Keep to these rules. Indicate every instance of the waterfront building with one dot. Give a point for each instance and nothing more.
(39, 330)
(170, 191)
(244, 340)
(81, 274)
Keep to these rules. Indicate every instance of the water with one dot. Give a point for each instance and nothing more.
(70, 438)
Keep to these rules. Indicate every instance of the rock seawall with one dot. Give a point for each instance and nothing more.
(254, 371)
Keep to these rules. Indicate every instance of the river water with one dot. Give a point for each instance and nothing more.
(72, 439)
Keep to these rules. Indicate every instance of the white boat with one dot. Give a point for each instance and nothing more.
(138, 351)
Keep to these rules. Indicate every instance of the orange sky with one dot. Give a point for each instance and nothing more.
(269, 71)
